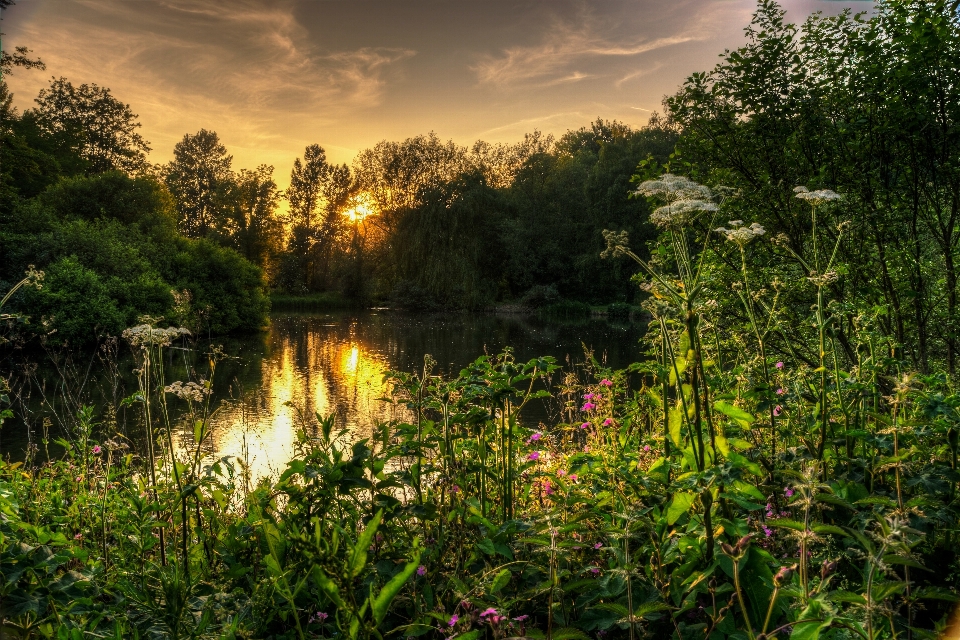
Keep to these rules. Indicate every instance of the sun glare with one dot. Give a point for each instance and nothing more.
(359, 207)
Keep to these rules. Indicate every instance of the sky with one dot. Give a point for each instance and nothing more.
(273, 76)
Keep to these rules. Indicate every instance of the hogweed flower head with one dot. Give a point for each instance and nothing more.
(146, 335)
(741, 234)
(618, 244)
(192, 391)
(679, 213)
(818, 197)
(672, 188)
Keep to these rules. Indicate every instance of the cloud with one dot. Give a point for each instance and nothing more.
(564, 46)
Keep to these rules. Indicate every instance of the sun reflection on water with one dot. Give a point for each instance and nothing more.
(302, 376)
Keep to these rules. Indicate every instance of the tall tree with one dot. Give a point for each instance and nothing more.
(201, 180)
(259, 230)
(104, 127)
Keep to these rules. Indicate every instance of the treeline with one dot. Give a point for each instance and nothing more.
(422, 223)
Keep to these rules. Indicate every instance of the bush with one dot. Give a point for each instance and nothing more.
(539, 296)
(567, 309)
(619, 311)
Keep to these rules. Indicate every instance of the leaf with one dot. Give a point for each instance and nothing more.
(808, 630)
(679, 505)
(392, 588)
(828, 528)
(486, 545)
(786, 524)
(500, 581)
(469, 635)
(745, 463)
(893, 558)
(735, 413)
(358, 558)
(328, 586)
(675, 421)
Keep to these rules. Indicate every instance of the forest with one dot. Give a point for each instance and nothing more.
(779, 462)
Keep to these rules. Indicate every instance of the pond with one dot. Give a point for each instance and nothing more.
(309, 363)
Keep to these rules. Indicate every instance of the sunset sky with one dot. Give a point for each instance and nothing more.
(274, 76)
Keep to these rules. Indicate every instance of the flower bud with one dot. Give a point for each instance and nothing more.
(783, 575)
(829, 566)
(743, 543)
(727, 549)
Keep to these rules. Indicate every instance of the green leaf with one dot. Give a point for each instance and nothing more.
(328, 586)
(786, 524)
(675, 421)
(470, 635)
(392, 588)
(808, 630)
(679, 505)
(500, 581)
(745, 463)
(735, 413)
(358, 558)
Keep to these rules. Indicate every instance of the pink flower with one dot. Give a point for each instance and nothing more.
(79, 536)
(319, 616)
(606, 383)
(585, 425)
(78, 478)
(646, 447)
(767, 531)
(586, 448)
(453, 620)
(547, 488)
(421, 570)
(599, 545)
(521, 618)
(535, 437)
(595, 571)
(779, 365)
(573, 477)
(534, 456)
(588, 406)
(488, 612)
(97, 449)
(454, 489)
(779, 392)
(788, 492)
(597, 397)
(587, 396)
(777, 410)
(608, 422)
(561, 472)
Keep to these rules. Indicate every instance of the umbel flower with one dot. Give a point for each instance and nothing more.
(146, 335)
(740, 234)
(685, 198)
(817, 197)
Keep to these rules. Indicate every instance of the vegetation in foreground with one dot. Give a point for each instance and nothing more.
(739, 492)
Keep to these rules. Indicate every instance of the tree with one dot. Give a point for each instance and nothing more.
(201, 181)
(317, 194)
(104, 127)
(259, 231)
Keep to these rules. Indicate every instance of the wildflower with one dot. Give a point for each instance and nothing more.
(767, 531)
(421, 570)
(79, 536)
(606, 383)
(779, 365)
(777, 410)
(522, 618)
(97, 449)
(588, 396)
(741, 235)
(535, 437)
(595, 571)
(547, 488)
(788, 492)
(454, 489)
(78, 479)
(646, 447)
(817, 197)
(779, 392)
(782, 576)
(588, 406)
(585, 425)
(561, 472)
(453, 620)
(319, 616)
(573, 477)
(586, 448)
(598, 545)
(488, 612)
(191, 391)
(617, 244)
(534, 456)
(146, 335)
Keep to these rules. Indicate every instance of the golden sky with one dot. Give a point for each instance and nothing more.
(272, 76)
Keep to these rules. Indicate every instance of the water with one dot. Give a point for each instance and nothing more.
(335, 363)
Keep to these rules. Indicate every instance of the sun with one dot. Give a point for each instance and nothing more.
(359, 207)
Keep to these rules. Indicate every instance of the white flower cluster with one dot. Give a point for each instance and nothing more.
(740, 234)
(679, 213)
(671, 187)
(191, 391)
(685, 199)
(816, 197)
(146, 335)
